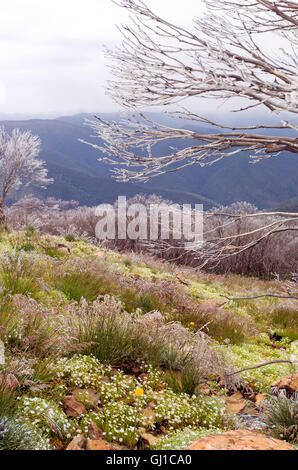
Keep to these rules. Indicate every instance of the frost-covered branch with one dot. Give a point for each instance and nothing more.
(19, 165)
(222, 57)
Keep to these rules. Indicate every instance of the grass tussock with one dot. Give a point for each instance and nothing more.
(19, 274)
(281, 417)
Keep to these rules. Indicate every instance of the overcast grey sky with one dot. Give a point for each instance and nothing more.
(51, 57)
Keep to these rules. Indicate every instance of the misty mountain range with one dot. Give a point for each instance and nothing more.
(79, 176)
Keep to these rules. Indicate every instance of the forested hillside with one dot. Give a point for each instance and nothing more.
(78, 175)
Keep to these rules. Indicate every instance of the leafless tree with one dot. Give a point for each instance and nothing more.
(223, 57)
(19, 165)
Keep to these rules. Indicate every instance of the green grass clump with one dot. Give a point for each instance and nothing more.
(54, 252)
(115, 340)
(82, 284)
(127, 262)
(185, 381)
(27, 246)
(285, 320)
(69, 237)
(132, 300)
(281, 417)
(18, 275)
(29, 231)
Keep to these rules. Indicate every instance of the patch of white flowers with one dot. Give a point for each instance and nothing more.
(82, 371)
(46, 416)
(182, 410)
(119, 421)
(124, 400)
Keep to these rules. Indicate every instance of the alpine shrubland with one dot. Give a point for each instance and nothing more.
(141, 333)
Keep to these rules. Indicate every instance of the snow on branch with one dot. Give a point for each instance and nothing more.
(222, 57)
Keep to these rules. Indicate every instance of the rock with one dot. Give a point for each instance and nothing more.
(235, 403)
(235, 396)
(97, 444)
(204, 389)
(239, 440)
(147, 440)
(94, 432)
(252, 411)
(235, 407)
(289, 384)
(149, 413)
(152, 405)
(136, 370)
(259, 398)
(115, 446)
(9, 381)
(162, 429)
(72, 407)
(87, 396)
(103, 378)
(78, 443)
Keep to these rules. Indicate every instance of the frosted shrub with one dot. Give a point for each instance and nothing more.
(47, 416)
(15, 435)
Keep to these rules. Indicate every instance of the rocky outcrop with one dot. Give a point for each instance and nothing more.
(239, 440)
(97, 444)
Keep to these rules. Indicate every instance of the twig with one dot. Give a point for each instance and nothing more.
(260, 296)
(181, 280)
(285, 361)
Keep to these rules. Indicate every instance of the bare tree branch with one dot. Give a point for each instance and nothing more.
(278, 296)
(222, 57)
